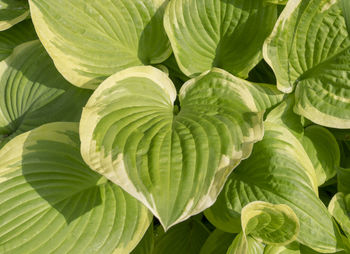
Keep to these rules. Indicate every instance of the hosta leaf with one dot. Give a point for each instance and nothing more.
(292, 248)
(218, 33)
(269, 223)
(279, 171)
(146, 245)
(245, 245)
(187, 237)
(343, 176)
(339, 207)
(51, 202)
(90, 40)
(12, 12)
(218, 242)
(15, 36)
(33, 92)
(323, 150)
(309, 49)
(276, 1)
(346, 12)
(175, 162)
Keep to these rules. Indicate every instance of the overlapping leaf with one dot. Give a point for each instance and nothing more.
(12, 12)
(187, 237)
(245, 245)
(52, 202)
(339, 207)
(32, 92)
(309, 50)
(91, 40)
(218, 33)
(174, 161)
(15, 36)
(279, 171)
(218, 242)
(269, 223)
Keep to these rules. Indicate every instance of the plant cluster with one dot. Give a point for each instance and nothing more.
(174, 126)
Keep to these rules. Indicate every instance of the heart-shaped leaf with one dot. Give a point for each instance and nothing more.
(33, 92)
(12, 12)
(279, 171)
(174, 161)
(309, 49)
(218, 33)
(91, 40)
(52, 202)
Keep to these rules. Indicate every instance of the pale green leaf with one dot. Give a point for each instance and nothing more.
(323, 150)
(269, 223)
(309, 50)
(279, 171)
(91, 40)
(187, 237)
(12, 12)
(292, 248)
(20, 33)
(217, 33)
(282, 2)
(339, 207)
(245, 245)
(173, 160)
(218, 242)
(33, 92)
(52, 202)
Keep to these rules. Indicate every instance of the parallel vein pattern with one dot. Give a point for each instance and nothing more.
(278, 172)
(309, 49)
(33, 92)
(174, 162)
(51, 202)
(218, 33)
(90, 40)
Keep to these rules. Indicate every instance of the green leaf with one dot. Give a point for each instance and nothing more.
(245, 245)
(146, 245)
(51, 202)
(339, 207)
(187, 237)
(323, 150)
(217, 33)
(91, 40)
(309, 49)
(282, 2)
(12, 12)
(33, 92)
(343, 176)
(292, 248)
(174, 161)
(269, 223)
(279, 171)
(217, 243)
(15, 36)
(346, 12)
